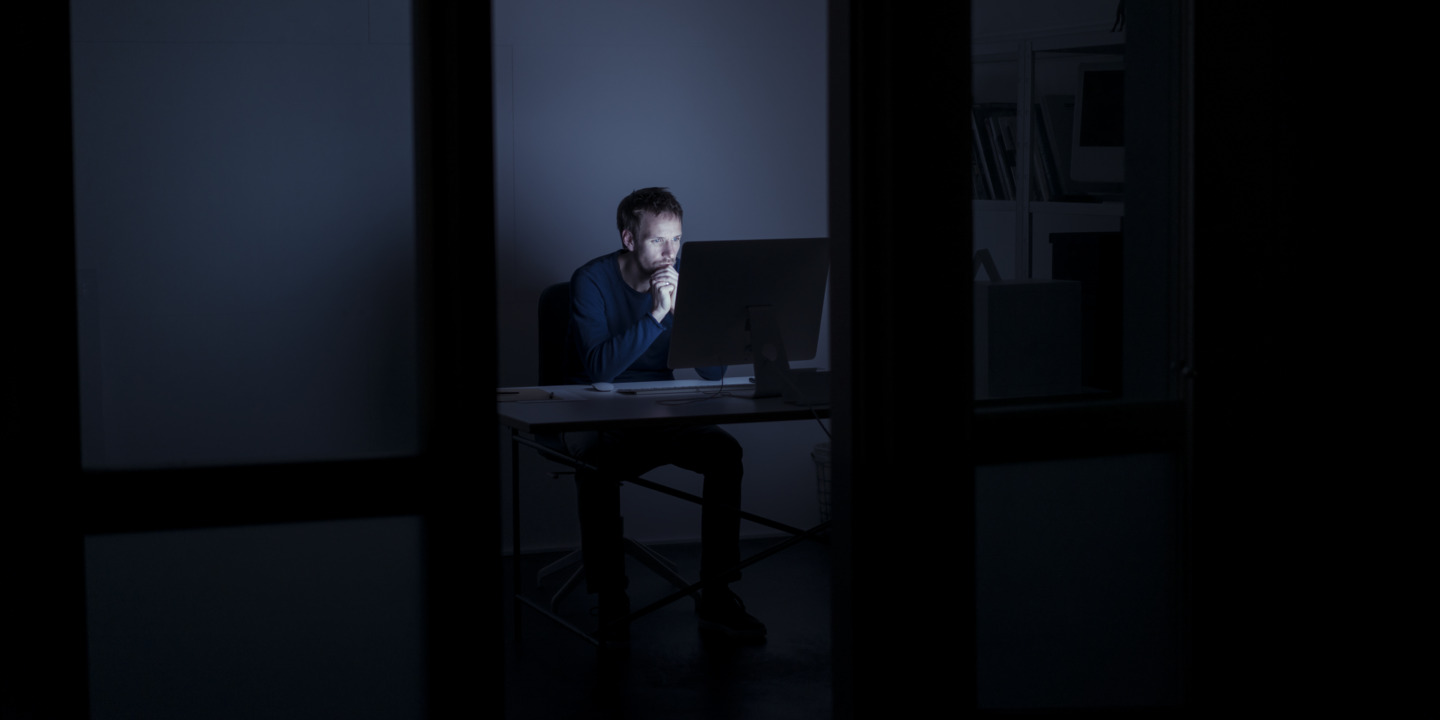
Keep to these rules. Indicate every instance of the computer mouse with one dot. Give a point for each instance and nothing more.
(602, 387)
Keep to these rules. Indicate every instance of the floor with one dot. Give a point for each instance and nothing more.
(671, 670)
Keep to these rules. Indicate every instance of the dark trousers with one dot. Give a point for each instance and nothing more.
(707, 450)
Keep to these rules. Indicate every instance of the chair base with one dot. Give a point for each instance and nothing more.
(657, 563)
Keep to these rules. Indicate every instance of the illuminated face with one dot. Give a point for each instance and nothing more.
(657, 245)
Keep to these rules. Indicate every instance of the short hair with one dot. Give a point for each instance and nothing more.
(654, 200)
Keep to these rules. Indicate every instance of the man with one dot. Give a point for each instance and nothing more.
(622, 309)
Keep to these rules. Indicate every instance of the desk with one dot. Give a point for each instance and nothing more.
(577, 407)
(574, 408)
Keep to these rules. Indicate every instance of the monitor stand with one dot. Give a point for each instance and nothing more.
(773, 375)
(768, 352)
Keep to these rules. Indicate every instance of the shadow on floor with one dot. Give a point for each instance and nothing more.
(672, 671)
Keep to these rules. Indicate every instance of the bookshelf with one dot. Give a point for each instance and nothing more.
(1038, 200)
(1021, 128)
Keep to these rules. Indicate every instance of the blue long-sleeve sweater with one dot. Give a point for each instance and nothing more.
(613, 336)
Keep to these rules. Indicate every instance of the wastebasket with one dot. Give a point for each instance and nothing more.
(821, 456)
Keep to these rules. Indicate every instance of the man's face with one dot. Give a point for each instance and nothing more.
(657, 244)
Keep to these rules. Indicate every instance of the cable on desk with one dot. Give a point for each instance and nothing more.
(798, 394)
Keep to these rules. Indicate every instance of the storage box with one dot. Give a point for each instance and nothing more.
(1027, 338)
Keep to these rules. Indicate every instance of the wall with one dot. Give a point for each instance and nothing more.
(593, 100)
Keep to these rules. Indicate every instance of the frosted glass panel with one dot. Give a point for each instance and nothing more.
(245, 231)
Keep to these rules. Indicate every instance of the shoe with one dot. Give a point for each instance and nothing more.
(613, 607)
(724, 613)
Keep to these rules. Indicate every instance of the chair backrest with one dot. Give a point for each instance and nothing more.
(554, 324)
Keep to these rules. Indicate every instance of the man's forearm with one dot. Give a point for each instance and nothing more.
(606, 359)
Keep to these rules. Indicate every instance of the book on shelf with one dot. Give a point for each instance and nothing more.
(995, 151)
(993, 129)
(980, 162)
(1046, 169)
(1003, 123)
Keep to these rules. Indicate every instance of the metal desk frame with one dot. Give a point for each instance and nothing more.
(572, 408)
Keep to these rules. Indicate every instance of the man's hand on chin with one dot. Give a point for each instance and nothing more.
(663, 283)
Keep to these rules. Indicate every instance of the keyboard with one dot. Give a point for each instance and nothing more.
(672, 387)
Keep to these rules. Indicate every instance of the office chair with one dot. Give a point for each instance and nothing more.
(554, 323)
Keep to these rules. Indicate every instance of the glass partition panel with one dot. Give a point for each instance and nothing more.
(1047, 119)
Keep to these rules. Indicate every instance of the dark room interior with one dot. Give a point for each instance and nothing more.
(1280, 599)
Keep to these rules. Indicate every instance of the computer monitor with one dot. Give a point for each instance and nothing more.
(750, 301)
(1097, 150)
